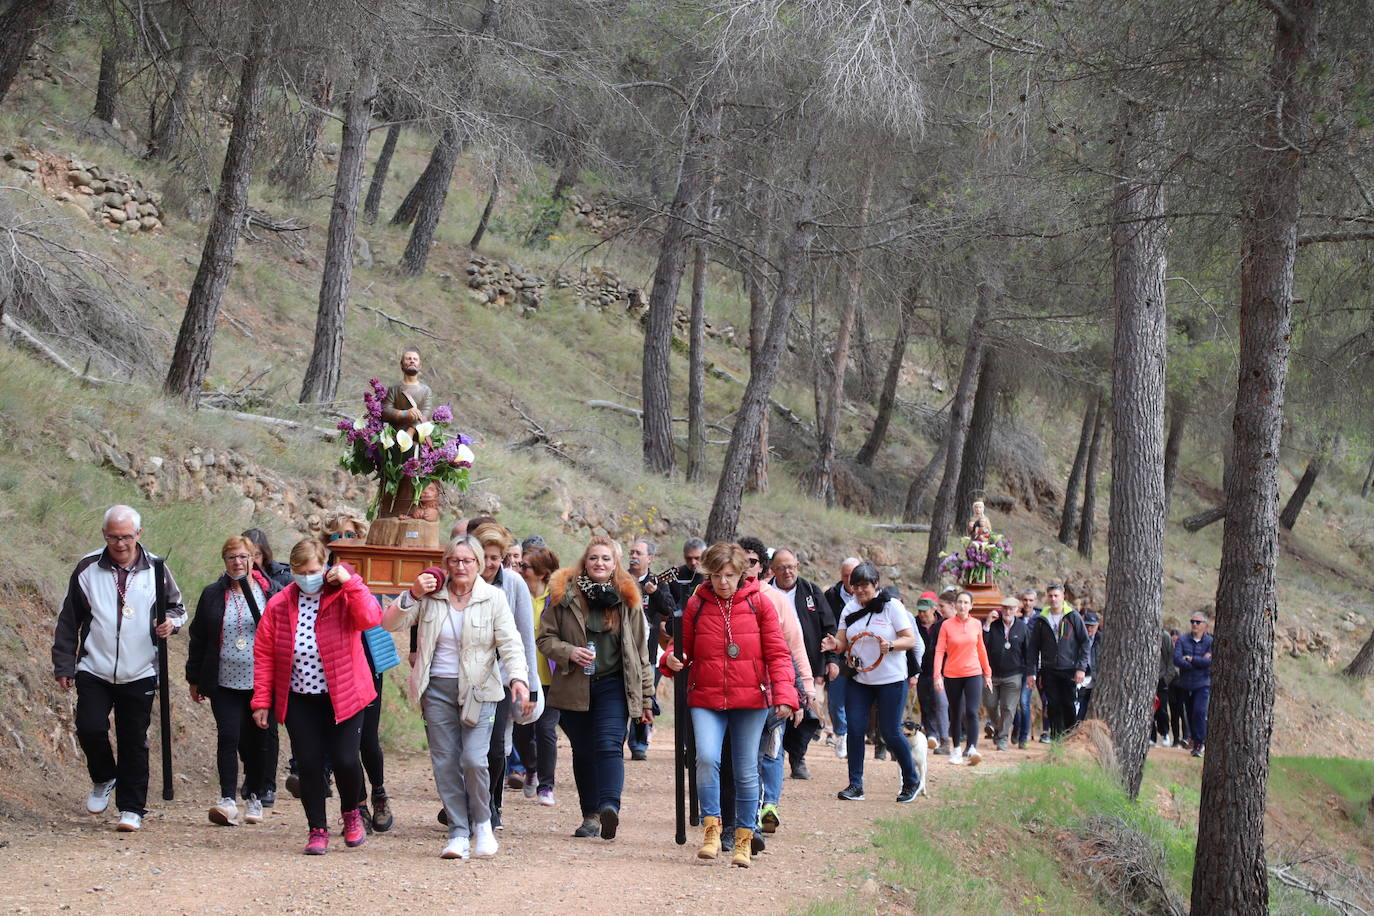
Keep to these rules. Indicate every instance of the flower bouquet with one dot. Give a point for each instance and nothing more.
(395, 457)
(978, 562)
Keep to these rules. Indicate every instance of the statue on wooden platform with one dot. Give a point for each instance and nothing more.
(979, 528)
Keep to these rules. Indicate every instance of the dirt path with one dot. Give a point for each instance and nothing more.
(180, 863)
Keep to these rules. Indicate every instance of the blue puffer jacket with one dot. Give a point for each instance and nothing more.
(1198, 672)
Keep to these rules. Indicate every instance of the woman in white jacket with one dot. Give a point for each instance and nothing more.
(462, 622)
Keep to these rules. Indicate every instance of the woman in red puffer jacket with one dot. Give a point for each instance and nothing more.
(738, 668)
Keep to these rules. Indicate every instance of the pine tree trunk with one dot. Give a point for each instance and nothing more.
(379, 174)
(321, 382)
(867, 377)
(167, 133)
(656, 379)
(19, 28)
(1229, 873)
(1368, 479)
(1080, 461)
(107, 84)
(546, 224)
(1293, 508)
(485, 219)
(1362, 665)
(943, 515)
(1173, 445)
(431, 205)
(758, 325)
(1087, 522)
(696, 349)
(974, 467)
(915, 494)
(823, 473)
(723, 523)
(887, 400)
(1135, 535)
(295, 169)
(424, 186)
(195, 340)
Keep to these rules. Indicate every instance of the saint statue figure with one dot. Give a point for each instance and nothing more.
(409, 401)
(979, 528)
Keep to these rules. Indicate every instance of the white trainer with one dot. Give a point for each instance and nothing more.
(225, 813)
(956, 757)
(129, 822)
(456, 848)
(99, 799)
(973, 757)
(484, 844)
(252, 811)
(842, 747)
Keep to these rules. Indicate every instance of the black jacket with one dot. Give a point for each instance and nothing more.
(683, 585)
(1064, 650)
(202, 656)
(658, 612)
(818, 620)
(1003, 661)
(930, 637)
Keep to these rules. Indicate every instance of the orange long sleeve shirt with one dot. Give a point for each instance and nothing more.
(960, 652)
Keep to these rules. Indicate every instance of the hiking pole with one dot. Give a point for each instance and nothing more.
(164, 690)
(679, 741)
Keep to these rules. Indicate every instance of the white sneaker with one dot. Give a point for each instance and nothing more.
(484, 841)
(225, 813)
(956, 757)
(99, 799)
(1168, 741)
(931, 743)
(456, 848)
(842, 747)
(129, 822)
(252, 811)
(973, 757)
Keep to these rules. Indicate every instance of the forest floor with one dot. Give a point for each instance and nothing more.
(180, 863)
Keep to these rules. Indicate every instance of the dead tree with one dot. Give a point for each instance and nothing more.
(1087, 523)
(1080, 462)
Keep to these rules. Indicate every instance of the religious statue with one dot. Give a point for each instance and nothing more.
(979, 528)
(408, 402)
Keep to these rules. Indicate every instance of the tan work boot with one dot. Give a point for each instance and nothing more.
(710, 841)
(743, 838)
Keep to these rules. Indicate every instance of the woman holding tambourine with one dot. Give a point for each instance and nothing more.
(962, 658)
(875, 636)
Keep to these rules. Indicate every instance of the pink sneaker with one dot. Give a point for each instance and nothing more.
(355, 834)
(318, 844)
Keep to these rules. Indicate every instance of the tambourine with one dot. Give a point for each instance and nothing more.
(865, 651)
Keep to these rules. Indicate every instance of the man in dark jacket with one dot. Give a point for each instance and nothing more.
(658, 607)
(1059, 656)
(1193, 656)
(1008, 648)
(1091, 624)
(689, 573)
(817, 621)
(837, 597)
(934, 704)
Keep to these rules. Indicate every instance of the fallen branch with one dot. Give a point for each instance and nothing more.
(1203, 519)
(27, 338)
(1287, 876)
(618, 408)
(901, 528)
(328, 434)
(540, 436)
(394, 320)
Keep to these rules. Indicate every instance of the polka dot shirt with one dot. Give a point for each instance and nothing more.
(307, 670)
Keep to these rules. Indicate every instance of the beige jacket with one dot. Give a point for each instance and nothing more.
(488, 628)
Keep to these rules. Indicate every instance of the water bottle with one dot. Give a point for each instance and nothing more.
(590, 668)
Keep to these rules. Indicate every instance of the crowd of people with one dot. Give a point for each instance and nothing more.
(506, 645)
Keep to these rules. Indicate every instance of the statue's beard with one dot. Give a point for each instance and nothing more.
(410, 371)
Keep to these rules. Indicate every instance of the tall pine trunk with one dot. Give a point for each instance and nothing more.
(823, 472)
(887, 399)
(866, 379)
(424, 185)
(1080, 461)
(379, 173)
(757, 481)
(107, 83)
(1135, 534)
(1368, 479)
(942, 517)
(1173, 445)
(696, 346)
(19, 28)
(916, 493)
(1293, 508)
(973, 469)
(546, 223)
(485, 219)
(431, 204)
(1229, 873)
(321, 382)
(167, 132)
(723, 523)
(295, 169)
(1087, 522)
(1362, 665)
(195, 340)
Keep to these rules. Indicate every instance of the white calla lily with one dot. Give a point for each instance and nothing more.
(385, 437)
(423, 430)
(404, 440)
(465, 455)
(360, 424)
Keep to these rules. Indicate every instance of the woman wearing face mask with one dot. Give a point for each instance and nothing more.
(963, 659)
(310, 670)
(876, 632)
(738, 667)
(592, 629)
(219, 667)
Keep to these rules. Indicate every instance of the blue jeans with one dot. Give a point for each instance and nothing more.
(1020, 729)
(891, 699)
(745, 725)
(1197, 699)
(834, 698)
(770, 763)
(597, 737)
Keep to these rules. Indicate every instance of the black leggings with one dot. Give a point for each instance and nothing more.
(238, 737)
(537, 744)
(496, 756)
(315, 738)
(969, 692)
(371, 746)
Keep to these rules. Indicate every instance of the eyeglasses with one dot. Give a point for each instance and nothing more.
(346, 534)
(120, 538)
(525, 567)
(792, 568)
(1197, 623)
(462, 561)
(237, 558)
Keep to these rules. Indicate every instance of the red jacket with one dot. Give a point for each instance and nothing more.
(344, 613)
(762, 675)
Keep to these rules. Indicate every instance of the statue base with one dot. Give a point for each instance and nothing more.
(387, 571)
(404, 532)
(987, 597)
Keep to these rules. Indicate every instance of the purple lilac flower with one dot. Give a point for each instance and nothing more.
(464, 439)
(442, 414)
(411, 468)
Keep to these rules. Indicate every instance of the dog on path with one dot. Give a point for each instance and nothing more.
(920, 746)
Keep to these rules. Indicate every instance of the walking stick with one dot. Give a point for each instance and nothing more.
(164, 688)
(679, 742)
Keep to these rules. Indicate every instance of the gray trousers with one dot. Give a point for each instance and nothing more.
(1007, 691)
(458, 755)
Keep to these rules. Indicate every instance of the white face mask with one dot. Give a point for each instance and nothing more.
(309, 584)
